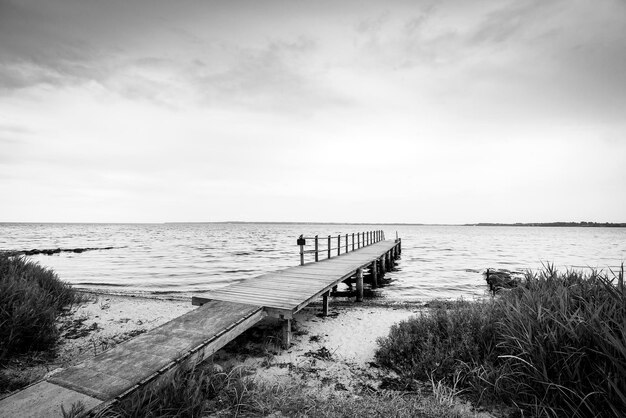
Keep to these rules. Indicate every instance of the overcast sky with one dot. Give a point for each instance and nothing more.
(343, 111)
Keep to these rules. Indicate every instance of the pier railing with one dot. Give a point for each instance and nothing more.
(338, 244)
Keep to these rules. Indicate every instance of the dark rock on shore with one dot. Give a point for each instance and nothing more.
(501, 279)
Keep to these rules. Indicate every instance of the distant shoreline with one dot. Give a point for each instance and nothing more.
(558, 224)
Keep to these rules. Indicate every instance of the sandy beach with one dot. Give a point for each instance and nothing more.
(330, 352)
(99, 323)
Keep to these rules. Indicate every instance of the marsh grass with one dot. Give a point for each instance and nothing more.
(31, 299)
(204, 390)
(189, 392)
(553, 346)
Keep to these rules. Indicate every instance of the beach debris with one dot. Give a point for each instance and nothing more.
(321, 353)
(76, 328)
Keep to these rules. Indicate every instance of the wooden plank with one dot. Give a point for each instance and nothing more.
(44, 399)
(305, 274)
(268, 304)
(310, 276)
(260, 297)
(297, 286)
(120, 368)
(247, 296)
(276, 283)
(285, 286)
(312, 280)
(279, 284)
(292, 277)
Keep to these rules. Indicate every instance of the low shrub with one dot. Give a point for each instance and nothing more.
(553, 346)
(31, 298)
(439, 343)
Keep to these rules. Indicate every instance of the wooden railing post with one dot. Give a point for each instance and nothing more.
(301, 242)
(353, 241)
(346, 243)
(329, 245)
(316, 249)
(338, 244)
(358, 240)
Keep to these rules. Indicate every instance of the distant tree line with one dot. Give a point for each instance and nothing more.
(582, 224)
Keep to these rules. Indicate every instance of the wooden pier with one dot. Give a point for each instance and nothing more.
(223, 315)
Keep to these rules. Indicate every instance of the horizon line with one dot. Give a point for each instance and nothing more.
(552, 223)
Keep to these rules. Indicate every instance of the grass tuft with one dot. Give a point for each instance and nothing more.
(31, 298)
(206, 391)
(553, 346)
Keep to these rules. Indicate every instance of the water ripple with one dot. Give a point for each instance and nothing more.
(437, 261)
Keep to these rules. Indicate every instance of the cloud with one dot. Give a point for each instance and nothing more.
(220, 105)
(277, 76)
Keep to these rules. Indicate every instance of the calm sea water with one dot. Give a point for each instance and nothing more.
(437, 261)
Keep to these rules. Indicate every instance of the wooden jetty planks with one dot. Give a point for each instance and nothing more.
(293, 288)
(119, 369)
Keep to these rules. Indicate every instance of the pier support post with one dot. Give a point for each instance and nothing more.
(325, 303)
(359, 285)
(286, 333)
(383, 266)
(374, 274)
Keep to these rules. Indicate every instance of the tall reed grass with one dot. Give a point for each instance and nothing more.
(553, 346)
(31, 298)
